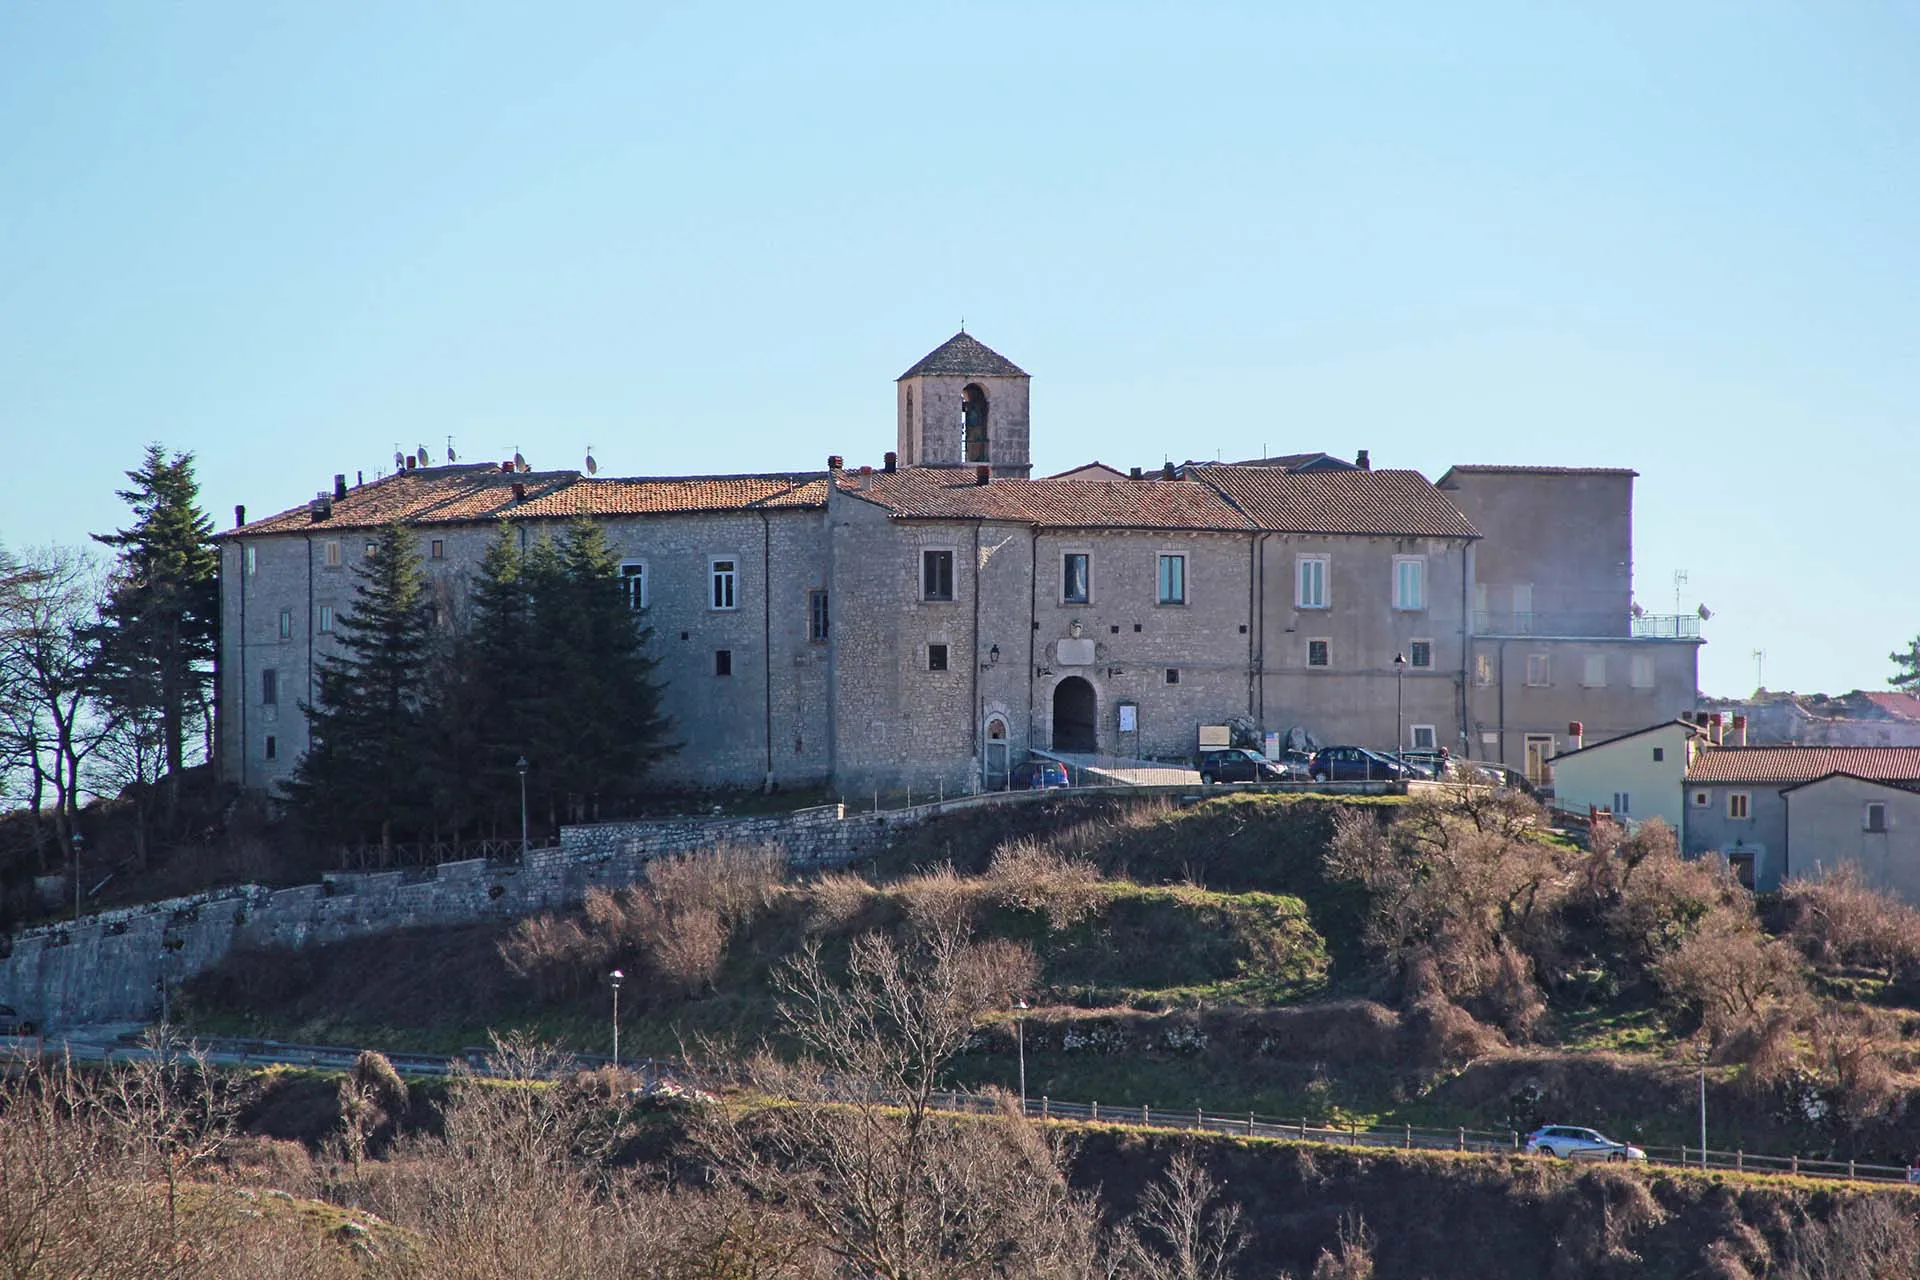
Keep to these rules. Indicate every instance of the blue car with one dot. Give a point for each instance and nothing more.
(1038, 775)
(1357, 764)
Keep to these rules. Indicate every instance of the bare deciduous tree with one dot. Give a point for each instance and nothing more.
(1183, 1229)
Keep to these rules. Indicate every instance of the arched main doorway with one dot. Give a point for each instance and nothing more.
(994, 765)
(1075, 715)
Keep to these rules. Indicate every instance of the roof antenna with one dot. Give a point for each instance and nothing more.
(963, 324)
(451, 456)
(593, 468)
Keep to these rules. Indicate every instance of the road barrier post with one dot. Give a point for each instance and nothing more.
(1796, 1164)
(1460, 1139)
(1146, 1115)
(1043, 1106)
(1303, 1129)
(1739, 1162)
(1249, 1124)
(1849, 1168)
(1096, 1113)
(1409, 1145)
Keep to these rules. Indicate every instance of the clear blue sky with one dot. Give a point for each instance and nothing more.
(1677, 237)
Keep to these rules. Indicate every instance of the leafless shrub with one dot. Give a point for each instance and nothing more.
(1351, 1257)
(1838, 918)
(556, 953)
(1031, 876)
(1851, 1050)
(735, 882)
(939, 901)
(835, 900)
(1869, 1238)
(1092, 834)
(371, 1095)
(1184, 1230)
(1647, 895)
(1732, 975)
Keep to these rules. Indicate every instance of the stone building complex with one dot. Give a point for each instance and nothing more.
(932, 619)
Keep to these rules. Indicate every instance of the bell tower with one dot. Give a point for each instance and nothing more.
(962, 405)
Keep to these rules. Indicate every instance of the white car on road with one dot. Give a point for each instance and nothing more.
(1579, 1144)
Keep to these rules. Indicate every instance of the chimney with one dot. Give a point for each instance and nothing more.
(239, 514)
(411, 462)
(892, 463)
(835, 462)
(506, 468)
(1739, 731)
(1363, 461)
(982, 474)
(359, 478)
(866, 477)
(519, 491)
(1575, 732)
(1166, 472)
(1716, 722)
(1133, 474)
(321, 508)
(339, 484)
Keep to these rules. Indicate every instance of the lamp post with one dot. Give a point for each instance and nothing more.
(1020, 1043)
(520, 767)
(1702, 1050)
(1399, 703)
(615, 978)
(74, 844)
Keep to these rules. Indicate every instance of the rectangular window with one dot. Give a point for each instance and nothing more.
(817, 616)
(273, 747)
(286, 624)
(1523, 608)
(269, 687)
(1641, 674)
(1739, 804)
(1409, 582)
(1318, 653)
(1622, 802)
(1420, 654)
(1173, 675)
(936, 575)
(251, 558)
(723, 573)
(1701, 799)
(723, 662)
(1483, 670)
(936, 657)
(633, 583)
(326, 619)
(1876, 817)
(1659, 754)
(1076, 577)
(1311, 591)
(1539, 671)
(372, 547)
(437, 549)
(1425, 738)
(1594, 674)
(1172, 586)
(330, 553)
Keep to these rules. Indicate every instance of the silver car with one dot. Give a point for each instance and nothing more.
(1579, 1144)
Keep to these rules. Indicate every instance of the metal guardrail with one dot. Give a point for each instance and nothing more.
(1406, 1137)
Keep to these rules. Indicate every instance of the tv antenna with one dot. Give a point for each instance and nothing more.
(1759, 668)
(1679, 581)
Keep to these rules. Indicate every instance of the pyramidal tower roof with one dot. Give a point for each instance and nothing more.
(964, 354)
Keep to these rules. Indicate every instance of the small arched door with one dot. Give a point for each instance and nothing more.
(1075, 716)
(995, 764)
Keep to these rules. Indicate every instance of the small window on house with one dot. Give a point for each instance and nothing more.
(1424, 738)
(251, 558)
(273, 747)
(372, 548)
(724, 575)
(1076, 577)
(1173, 675)
(1483, 670)
(437, 549)
(1310, 591)
(269, 687)
(1641, 675)
(1622, 803)
(1409, 582)
(633, 583)
(1739, 804)
(817, 616)
(326, 619)
(1538, 670)
(936, 657)
(330, 553)
(723, 662)
(1876, 817)
(1701, 799)
(936, 575)
(1420, 653)
(1594, 674)
(1659, 754)
(1172, 585)
(1319, 653)
(286, 624)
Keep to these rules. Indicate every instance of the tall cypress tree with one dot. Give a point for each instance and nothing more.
(364, 773)
(480, 709)
(159, 629)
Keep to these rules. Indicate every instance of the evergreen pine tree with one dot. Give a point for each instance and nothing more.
(480, 711)
(364, 774)
(153, 650)
(1906, 668)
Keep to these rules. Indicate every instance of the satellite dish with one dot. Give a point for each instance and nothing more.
(422, 455)
(450, 454)
(1705, 613)
(399, 460)
(519, 463)
(593, 468)
(1638, 611)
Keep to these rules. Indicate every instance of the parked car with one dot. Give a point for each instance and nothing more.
(1357, 764)
(12, 1024)
(1038, 775)
(1237, 764)
(1579, 1144)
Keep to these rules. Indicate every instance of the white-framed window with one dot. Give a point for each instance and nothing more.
(1701, 799)
(1409, 582)
(1593, 674)
(936, 575)
(1875, 818)
(633, 583)
(1539, 671)
(250, 557)
(330, 553)
(1170, 585)
(373, 549)
(817, 616)
(1319, 653)
(937, 655)
(1739, 805)
(1420, 654)
(1622, 803)
(326, 619)
(436, 549)
(724, 575)
(286, 624)
(1310, 579)
(1640, 674)
(1422, 737)
(1076, 577)
(1482, 669)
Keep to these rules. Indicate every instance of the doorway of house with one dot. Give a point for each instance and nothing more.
(995, 764)
(1539, 751)
(1075, 716)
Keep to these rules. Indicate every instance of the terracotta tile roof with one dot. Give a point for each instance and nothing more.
(1389, 503)
(467, 495)
(927, 493)
(1495, 469)
(1762, 765)
(963, 354)
(1901, 706)
(1297, 462)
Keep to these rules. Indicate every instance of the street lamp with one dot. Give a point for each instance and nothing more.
(1399, 703)
(1020, 1042)
(1702, 1049)
(520, 767)
(615, 978)
(74, 843)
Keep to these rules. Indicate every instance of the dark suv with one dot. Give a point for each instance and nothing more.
(1357, 764)
(1237, 764)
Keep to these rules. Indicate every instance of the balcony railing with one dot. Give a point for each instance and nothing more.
(1667, 626)
(1612, 626)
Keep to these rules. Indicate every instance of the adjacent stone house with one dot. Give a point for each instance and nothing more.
(929, 621)
(1842, 819)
